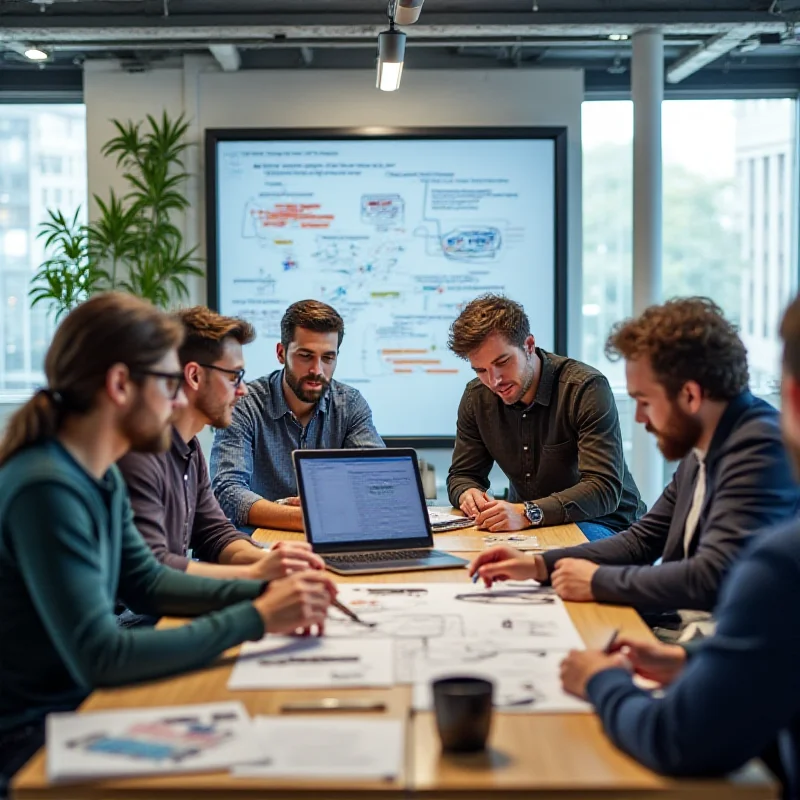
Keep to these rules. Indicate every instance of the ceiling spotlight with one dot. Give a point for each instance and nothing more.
(31, 52)
(35, 54)
(408, 11)
(619, 37)
(391, 52)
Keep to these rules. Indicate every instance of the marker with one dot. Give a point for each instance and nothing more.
(611, 640)
(334, 704)
(475, 576)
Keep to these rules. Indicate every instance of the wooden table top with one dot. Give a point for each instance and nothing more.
(552, 755)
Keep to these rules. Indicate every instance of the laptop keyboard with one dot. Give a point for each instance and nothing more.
(370, 558)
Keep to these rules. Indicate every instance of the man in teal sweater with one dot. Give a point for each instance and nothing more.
(68, 545)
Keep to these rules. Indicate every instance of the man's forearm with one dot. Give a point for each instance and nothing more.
(219, 571)
(266, 514)
(241, 551)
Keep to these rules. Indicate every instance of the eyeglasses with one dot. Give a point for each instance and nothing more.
(239, 373)
(173, 381)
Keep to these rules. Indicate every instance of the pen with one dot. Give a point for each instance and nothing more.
(475, 576)
(351, 614)
(334, 704)
(611, 640)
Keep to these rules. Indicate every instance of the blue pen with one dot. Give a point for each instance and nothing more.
(475, 577)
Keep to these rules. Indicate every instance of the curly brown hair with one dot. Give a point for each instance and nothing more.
(483, 316)
(686, 339)
(206, 332)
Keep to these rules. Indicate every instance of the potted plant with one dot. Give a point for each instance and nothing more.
(133, 245)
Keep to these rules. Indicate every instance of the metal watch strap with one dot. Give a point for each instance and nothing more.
(533, 513)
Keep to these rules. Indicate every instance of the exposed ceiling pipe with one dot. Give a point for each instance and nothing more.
(701, 56)
(62, 29)
(227, 56)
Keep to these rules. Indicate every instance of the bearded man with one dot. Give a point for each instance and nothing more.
(686, 370)
(297, 407)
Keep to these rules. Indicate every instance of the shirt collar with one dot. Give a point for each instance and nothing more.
(278, 406)
(544, 391)
(183, 449)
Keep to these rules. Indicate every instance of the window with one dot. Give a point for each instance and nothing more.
(35, 142)
(729, 166)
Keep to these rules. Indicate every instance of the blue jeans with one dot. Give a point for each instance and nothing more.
(594, 531)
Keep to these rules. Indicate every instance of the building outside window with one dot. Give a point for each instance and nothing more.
(36, 141)
(730, 212)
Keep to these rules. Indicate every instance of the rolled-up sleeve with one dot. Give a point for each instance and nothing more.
(232, 467)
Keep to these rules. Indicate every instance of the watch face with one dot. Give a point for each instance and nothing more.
(533, 513)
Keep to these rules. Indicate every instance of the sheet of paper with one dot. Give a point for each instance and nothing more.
(150, 741)
(285, 662)
(442, 519)
(327, 747)
(526, 679)
(453, 610)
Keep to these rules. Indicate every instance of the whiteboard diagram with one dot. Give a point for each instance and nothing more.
(398, 236)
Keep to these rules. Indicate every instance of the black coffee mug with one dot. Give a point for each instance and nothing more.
(463, 709)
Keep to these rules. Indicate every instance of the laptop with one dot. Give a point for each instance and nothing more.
(365, 512)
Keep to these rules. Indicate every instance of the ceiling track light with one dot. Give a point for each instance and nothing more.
(31, 52)
(391, 53)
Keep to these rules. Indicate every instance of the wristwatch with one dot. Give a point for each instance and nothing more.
(534, 514)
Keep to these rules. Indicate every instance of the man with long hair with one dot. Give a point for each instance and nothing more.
(68, 545)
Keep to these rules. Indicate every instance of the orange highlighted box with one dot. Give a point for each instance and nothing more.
(416, 361)
(404, 352)
(403, 371)
(443, 371)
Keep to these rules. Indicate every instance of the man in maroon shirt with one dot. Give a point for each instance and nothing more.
(174, 507)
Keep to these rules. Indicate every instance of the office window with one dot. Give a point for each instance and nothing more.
(35, 142)
(728, 166)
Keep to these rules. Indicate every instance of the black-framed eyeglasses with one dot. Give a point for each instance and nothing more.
(238, 373)
(173, 381)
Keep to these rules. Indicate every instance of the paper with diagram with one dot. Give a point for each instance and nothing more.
(526, 678)
(326, 747)
(151, 741)
(313, 662)
(452, 610)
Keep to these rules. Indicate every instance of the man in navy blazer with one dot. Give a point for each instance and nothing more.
(735, 695)
(686, 368)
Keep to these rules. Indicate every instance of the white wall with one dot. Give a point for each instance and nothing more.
(331, 98)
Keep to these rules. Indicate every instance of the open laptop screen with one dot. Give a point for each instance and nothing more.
(361, 501)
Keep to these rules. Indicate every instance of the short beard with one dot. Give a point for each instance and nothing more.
(217, 414)
(680, 434)
(296, 385)
(140, 430)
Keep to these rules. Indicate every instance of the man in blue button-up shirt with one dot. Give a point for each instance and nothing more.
(297, 407)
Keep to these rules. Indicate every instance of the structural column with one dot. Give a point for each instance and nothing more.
(647, 92)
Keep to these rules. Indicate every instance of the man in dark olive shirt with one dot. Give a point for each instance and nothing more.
(549, 422)
(174, 506)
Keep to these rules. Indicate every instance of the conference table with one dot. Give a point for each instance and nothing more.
(547, 755)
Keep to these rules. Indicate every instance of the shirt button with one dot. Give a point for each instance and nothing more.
(527, 474)
(524, 415)
(186, 477)
(525, 448)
